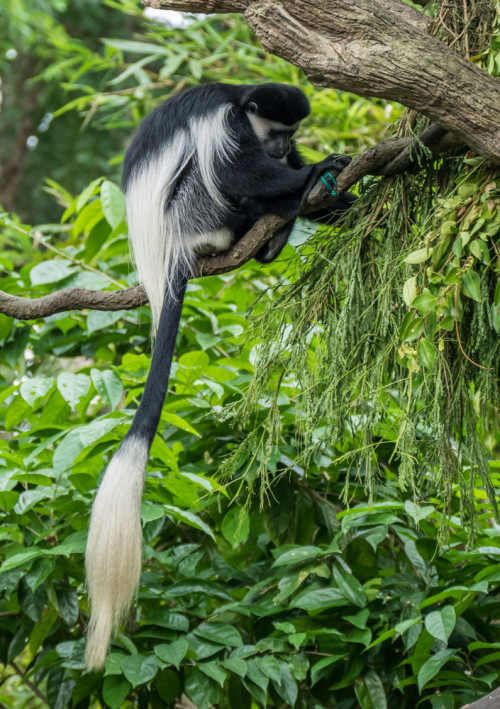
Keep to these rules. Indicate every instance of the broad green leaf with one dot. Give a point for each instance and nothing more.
(179, 422)
(375, 690)
(425, 302)
(319, 599)
(188, 518)
(202, 690)
(113, 203)
(237, 665)
(472, 285)
(426, 353)
(431, 667)
(98, 320)
(213, 670)
(21, 558)
(108, 385)
(73, 387)
(115, 690)
(221, 633)
(51, 271)
(298, 556)
(73, 544)
(139, 669)
(419, 256)
(35, 388)
(410, 290)
(172, 653)
(350, 587)
(235, 526)
(269, 666)
(418, 512)
(320, 669)
(440, 623)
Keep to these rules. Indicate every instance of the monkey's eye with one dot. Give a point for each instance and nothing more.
(252, 107)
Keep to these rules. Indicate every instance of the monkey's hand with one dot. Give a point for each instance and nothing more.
(327, 170)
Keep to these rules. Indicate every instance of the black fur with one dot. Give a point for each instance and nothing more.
(263, 172)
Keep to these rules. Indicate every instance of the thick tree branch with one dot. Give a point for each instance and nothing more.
(374, 48)
(490, 701)
(387, 158)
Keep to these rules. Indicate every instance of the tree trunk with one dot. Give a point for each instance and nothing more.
(374, 48)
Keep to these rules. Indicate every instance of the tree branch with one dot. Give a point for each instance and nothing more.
(374, 48)
(386, 158)
(490, 701)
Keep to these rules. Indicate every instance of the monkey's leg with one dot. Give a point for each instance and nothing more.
(275, 244)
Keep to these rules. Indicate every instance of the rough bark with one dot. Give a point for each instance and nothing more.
(490, 701)
(387, 158)
(374, 48)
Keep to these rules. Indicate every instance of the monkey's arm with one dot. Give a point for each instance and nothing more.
(277, 186)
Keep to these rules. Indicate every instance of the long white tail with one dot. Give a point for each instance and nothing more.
(113, 557)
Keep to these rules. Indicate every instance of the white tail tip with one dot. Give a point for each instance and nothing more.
(113, 555)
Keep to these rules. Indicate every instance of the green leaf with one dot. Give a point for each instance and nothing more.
(188, 518)
(426, 353)
(350, 587)
(375, 690)
(412, 327)
(425, 302)
(237, 665)
(221, 633)
(213, 670)
(172, 653)
(431, 667)
(67, 600)
(472, 285)
(51, 271)
(319, 599)
(108, 385)
(21, 558)
(287, 689)
(320, 669)
(139, 669)
(419, 256)
(298, 556)
(235, 526)
(115, 690)
(113, 203)
(202, 690)
(34, 389)
(440, 623)
(410, 290)
(269, 666)
(98, 320)
(418, 512)
(73, 387)
(179, 422)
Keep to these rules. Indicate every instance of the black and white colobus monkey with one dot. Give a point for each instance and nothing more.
(201, 170)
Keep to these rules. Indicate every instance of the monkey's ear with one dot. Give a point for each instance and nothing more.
(251, 107)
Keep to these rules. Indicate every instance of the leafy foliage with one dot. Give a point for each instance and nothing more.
(310, 576)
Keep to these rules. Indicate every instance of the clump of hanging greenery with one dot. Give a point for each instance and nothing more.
(390, 325)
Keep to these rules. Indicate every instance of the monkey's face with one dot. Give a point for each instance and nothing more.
(276, 137)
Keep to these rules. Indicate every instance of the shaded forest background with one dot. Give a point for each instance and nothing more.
(319, 514)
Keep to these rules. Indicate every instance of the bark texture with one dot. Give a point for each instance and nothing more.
(374, 48)
(387, 158)
(490, 701)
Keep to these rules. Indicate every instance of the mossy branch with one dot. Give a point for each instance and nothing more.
(386, 158)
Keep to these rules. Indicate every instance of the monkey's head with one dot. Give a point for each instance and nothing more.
(274, 112)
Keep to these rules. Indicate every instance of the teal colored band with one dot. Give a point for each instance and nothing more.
(325, 182)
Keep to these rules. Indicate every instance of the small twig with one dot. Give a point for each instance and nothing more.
(30, 684)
